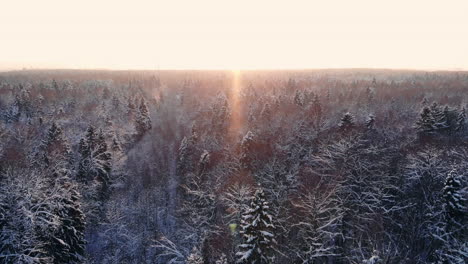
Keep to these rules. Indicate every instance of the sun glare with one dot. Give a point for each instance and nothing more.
(236, 120)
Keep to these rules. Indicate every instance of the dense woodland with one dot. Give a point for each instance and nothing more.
(325, 166)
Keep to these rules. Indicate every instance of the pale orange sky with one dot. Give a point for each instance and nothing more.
(237, 34)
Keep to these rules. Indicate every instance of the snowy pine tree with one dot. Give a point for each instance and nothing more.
(440, 119)
(246, 158)
(461, 120)
(203, 162)
(455, 204)
(316, 112)
(66, 244)
(299, 98)
(265, 114)
(186, 156)
(54, 148)
(220, 115)
(426, 122)
(257, 232)
(143, 120)
(319, 227)
(95, 163)
(131, 108)
(369, 96)
(346, 122)
(370, 121)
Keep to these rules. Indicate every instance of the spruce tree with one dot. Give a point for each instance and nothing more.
(439, 117)
(266, 112)
(95, 163)
(246, 158)
(346, 122)
(450, 119)
(453, 195)
(257, 232)
(54, 147)
(115, 102)
(55, 84)
(316, 106)
(316, 112)
(299, 98)
(203, 162)
(116, 146)
(67, 243)
(143, 120)
(220, 115)
(130, 107)
(426, 122)
(424, 102)
(91, 136)
(187, 150)
(461, 120)
(369, 97)
(103, 166)
(370, 121)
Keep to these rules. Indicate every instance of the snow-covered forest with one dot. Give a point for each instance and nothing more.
(324, 166)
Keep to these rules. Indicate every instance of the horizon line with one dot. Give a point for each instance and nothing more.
(236, 69)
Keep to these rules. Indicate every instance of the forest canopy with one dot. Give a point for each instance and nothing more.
(312, 166)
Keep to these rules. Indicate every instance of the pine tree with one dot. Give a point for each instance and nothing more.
(95, 163)
(13, 114)
(461, 120)
(116, 147)
(370, 121)
(54, 147)
(454, 199)
(204, 161)
(246, 158)
(194, 133)
(143, 120)
(266, 112)
(346, 122)
(90, 137)
(103, 165)
(115, 102)
(220, 115)
(316, 106)
(291, 85)
(299, 98)
(185, 156)
(257, 232)
(369, 96)
(131, 108)
(55, 84)
(426, 122)
(316, 113)
(450, 120)
(440, 119)
(319, 226)
(66, 244)
(424, 102)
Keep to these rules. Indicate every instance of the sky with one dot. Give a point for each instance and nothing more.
(237, 34)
